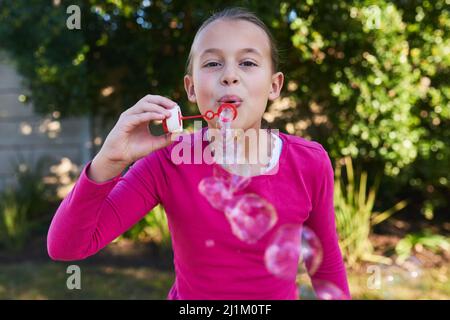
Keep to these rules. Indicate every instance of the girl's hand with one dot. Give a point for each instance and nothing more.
(131, 139)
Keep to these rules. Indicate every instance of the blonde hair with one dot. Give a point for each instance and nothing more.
(238, 13)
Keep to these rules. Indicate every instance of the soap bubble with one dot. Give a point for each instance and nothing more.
(210, 243)
(396, 277)
(413, 269)
(226, 115)
(393, 275)
(326, 290)
(215, 191)
(250, 217)
(323, 290)
(293, 243)
(224, 120)
(283, 253)
(392, 279)
(312, 252)
(233, 182)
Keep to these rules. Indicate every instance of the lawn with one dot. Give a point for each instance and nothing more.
(130, 270)
(47, 280)
(40, 280)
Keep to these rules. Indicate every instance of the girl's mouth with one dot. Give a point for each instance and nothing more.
(233, 99)
(234, 102)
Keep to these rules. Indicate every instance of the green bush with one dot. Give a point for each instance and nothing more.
(366, 78)
(434, 242)
(14, 225)
(26, 206)
(355, 217)
(153, 227)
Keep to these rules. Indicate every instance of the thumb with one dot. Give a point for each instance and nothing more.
(162, 141)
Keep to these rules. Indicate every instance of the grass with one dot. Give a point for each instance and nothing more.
(432, 284)
(47, 280)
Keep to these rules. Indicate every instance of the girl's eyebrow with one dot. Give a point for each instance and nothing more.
(245, 50)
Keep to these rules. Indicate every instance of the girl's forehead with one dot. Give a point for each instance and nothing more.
(231, 36)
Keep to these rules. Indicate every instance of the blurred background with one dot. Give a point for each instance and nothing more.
(369, 80)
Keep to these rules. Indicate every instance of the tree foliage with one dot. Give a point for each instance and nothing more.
(368, 79)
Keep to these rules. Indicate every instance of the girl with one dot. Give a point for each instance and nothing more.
(233, 58)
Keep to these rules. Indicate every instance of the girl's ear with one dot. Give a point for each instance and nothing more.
(276, 85)
(189, 87)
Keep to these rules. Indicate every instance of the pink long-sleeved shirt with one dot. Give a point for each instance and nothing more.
(210, 261)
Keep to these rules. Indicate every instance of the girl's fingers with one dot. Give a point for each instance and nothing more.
(144, 106)
(162, 141)
(134, 120)
(160, 100)
(151, 103)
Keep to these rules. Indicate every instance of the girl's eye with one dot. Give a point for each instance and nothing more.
(245, 64)
(211, 64)
(249, 64)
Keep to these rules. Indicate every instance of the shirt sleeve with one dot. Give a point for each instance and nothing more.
(322, 222)
(94, 214)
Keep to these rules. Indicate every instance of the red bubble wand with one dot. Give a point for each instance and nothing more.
(175, 124)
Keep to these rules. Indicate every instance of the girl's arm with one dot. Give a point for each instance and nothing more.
(322, 222)
(94, 214)
(102, 205)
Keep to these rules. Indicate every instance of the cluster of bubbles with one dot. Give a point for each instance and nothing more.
(294, 252)
(249, 215)
(393, 278)
(292, 249)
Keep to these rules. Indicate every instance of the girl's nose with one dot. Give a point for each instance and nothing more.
(229, 77)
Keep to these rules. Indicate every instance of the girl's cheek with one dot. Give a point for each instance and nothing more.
(204, 81)
(205, 88)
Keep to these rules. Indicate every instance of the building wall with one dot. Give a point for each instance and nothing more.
(27, 136)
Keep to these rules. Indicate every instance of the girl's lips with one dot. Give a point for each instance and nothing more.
(236, 104)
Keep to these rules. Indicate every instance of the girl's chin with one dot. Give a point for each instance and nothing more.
(235, 124)
(238, 127)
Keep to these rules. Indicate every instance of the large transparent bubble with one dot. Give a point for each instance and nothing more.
(312, 252)
(394, 278)
(215, 191)
(250, 217)
(283, 253)
(292, 245)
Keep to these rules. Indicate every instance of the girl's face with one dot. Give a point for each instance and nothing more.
(232, 61)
